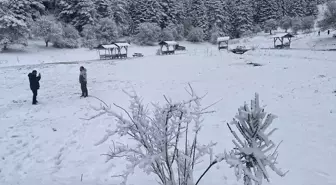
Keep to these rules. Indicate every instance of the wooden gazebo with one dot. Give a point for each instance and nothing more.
(113, 51)
(122, 46)
(282, 37)
(223, 42)
(169, 45)
(108, 51)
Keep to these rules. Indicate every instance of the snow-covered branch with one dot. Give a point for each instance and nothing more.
(166, 139)
(250, 156)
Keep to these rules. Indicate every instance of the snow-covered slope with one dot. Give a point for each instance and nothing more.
(51, 144)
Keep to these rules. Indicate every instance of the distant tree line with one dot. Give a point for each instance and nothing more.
(87, 23)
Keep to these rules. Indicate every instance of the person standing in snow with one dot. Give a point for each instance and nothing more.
(34, 82)
(83, 81)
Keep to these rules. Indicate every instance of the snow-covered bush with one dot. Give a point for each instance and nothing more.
(166, 140)
(196, 35)
(148, 34)
(256, 29)
(89, 36)
(252, 151)
(70, 38)
(177, 31)
(270, 25)
(12, 30)
(296, 24)
(167, 34)
(285, 23)
(106, 31)
(48, 29)
(329, 19)
(307, 23)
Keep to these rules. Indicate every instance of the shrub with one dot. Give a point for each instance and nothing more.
(296, 24)
(148, 34)
(89, 36)
(285, 23)
(106, 31)
(70, 38)
(256, 29)
(271, 25)
(196, 35)
(307, 23)
(48, 29)
(329, 19)
(167, 34)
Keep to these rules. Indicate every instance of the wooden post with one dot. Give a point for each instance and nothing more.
(274, 39)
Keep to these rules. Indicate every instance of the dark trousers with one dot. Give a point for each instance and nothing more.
(34, 95)
(84, 89)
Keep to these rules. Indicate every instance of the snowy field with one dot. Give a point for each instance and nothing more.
(49, 144)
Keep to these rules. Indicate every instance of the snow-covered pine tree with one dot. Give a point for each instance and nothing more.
(242, 17)
(121, 15)
(77, 12)
(26, 9)
(198, 15)
(103, 8)
(297, 8)
(253, 147)
(311, 8)
(266, 10)
(217, 17)
(172, 12)
(12, 30)
(142, 11)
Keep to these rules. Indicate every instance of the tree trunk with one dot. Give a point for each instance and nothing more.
(5, 47)
(47, 43)
(270, 32)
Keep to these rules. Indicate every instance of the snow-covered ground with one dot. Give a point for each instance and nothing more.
(51, 144)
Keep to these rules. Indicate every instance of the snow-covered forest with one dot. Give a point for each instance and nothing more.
(87, 23)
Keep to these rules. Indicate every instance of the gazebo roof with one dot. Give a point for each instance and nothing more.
(222, 39)
(122, 44)
(107, 46)
(169, 43)
(283, 35)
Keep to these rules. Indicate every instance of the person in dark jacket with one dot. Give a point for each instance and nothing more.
(83, 81)
(34, 82)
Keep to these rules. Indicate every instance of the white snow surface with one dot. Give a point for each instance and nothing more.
(49, 144)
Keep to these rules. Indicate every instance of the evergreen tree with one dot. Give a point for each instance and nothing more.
(297, 8)
(103, 8)
(12, 29)
(77, 12)
(242, 18)
(216, 16)
(172, 12)
(26, 9)
(198, 15)
(266, 9)
(144, 11)
(120, 15)
(311, 8)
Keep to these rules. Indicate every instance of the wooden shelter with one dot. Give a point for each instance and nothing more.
(223, 42)
(108, 51)
(112, 51)
(281, 38)
(122, 46)
(170, 47)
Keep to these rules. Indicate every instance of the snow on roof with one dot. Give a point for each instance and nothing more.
(110, 46)
(121, 44)
(283, 35)
(170, 43)
(221, 39)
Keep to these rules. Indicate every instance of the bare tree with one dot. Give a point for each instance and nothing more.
(251, 154)
(167, 142)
